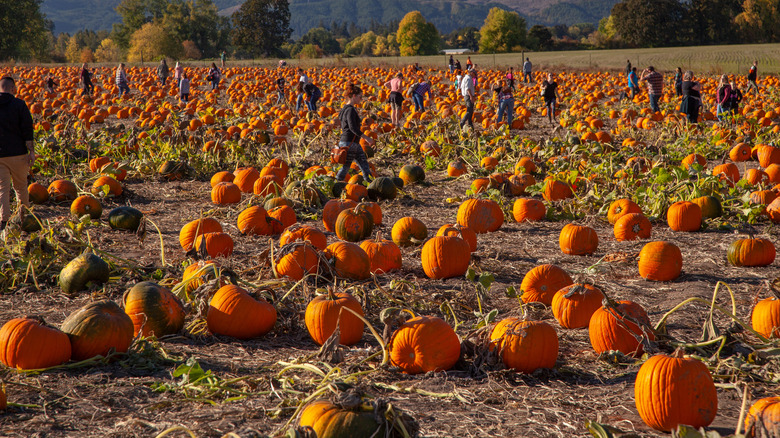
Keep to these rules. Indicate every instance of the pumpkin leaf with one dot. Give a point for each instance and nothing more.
(471, 274)
(684, 431)
(511, 292)
(599, 430)
(486, 279)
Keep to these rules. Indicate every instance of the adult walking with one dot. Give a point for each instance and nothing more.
(506, 103)
(86, 80)
(628, 67)
(633, 82)
(678, 74)
(396, 98)
(162, 72)
(458, 66)
(280, 85)
(550, 96)
(313, 95)
(17, 149)
(467, 90)
(222, 57)
(214, 76)
(451, 64)
(418, 95)
(723, 98)
(351, 134)
(178, 72)
(120, 77)
(302, 80)
(752, 77)
(691, 100)
(527, 70)
(655, 86)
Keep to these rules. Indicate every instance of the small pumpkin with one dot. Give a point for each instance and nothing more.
(62, 190)
(82, 270)
(412, 173)
(254, 221)
(632, 226)
(324, 313)
(114, 186)
(225, 193)
(382, 188)
(349, 260)
(282, 217)
(573, 305)
(28, 344)
(125, 218)
(295, 260)
(525, 346)
(578, 240)
(153, 309)
(37, 193)
(763, 418)
(331, 210)
(710, 206)
(542, 282)
(328, 420)
(408, 231)
(233, 312)
(195, 228)
(527, 209)
(423, 344)
(86, 205)
(620, 208)
(660, 261)
(215, 244)
(97, 328)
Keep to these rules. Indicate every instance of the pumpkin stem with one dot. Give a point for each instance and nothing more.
(331, 294)
(679, 353)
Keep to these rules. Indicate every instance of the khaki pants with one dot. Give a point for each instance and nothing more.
(13, 169)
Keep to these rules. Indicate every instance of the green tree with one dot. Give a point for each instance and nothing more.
(463, 38)
(416, 36)
(643, 23)
(759, 22)
(363, 45)
(197, 21)
(151, 42)
(261, 26)
(712, 21)
(23, 30)
(501, 32)
(319, 36)
(541, 36)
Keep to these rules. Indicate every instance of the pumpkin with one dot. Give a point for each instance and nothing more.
(216, 244)
(382, 188)
(331, 210)
(223, 176)
(324, 313)
(542, 282)
(710, 206)
(445, 257)
(125, 218)
(684, 216)
(189, 275)
(674, 390)
(526, 209)
(155, 310)
(355, 192)
(765, 317)
(295, 260)
(660, 261)
(348, 260)
(728, 172)
(233, 312)
(281, 217)
(86, 205)
(525, 346)
(172, 170)
(245, 178)
(267, 185)
(694, 159)
(614, 327)
(37, 193)
(277, 202)
(306, 233)
(632, 226)
(195, 228)
(763, 418)
(423, 344)
(114, 187)
(354, 225)
(573, 305)
(525, 165)
(28, 344)
(555, 190)
(225, 193)
(773, 210)
(82, 270)
(331, 421)
(373, 209)
(480, 215)
(408, 231)
(620, 208)
(456, 168)
(383, 255)
(751, 252)
(97, 328)
(254, 221)
(411, 174)
(578, 240)
(62, 190)
(464, 233)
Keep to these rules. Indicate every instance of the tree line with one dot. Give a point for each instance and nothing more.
(192, 29)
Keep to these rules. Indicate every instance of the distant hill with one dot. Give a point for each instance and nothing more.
(73, 15)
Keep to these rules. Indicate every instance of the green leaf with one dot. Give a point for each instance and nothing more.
(511, 292)
(471, 275)
(486, 279)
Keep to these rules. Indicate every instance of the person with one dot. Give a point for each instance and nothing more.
(214, 76)
(17, 149)
(121, 80)
(469, 64)
(510, 78)
(736, 98)
(691, 101)
(416, 66)
(506, 103)
(282, 63)
(527, 70)
(452, 64)
(178, 71)
(86, 80)
(550, 95)
(457, 65)
(678, 74)
(633, 82)
(723, 98)
(752, 77)
(396, 98)
(418, 95)
(467, 90)
(162, 72)
(280, 83)
(313, 94)
(184, 88)
(655, 86)
(302, 80)
(351, 134)
(628, 67)
(458, 78)
(50, 84)
(222, 57)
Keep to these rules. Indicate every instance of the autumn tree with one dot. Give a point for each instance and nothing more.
(362, 46)
(24, 31)
(108, 51)
(386, 46)
(502, 31)
(759, 22)
(151, 42)
(417, 36)
(643, 23)
(261, 26)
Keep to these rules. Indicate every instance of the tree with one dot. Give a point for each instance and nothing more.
(501, 32)
(190, 50)
(417, 36)
(24, 30)
(150, 43)
(541, 36)
(108, 51)
(649, 23)
(712, 21)
(363, 45)
(463, 38)
(386, 46)
(760, 21)
(73, 51)
(261, 26)
(197, 21)
(319, 36)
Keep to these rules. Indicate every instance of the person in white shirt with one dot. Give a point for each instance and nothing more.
(527, 70)
(305, 80)
(458, 78)
(467, 91)
(184, 88)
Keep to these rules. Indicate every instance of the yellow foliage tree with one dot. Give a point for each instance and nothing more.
(417, 36)
(108, 51)
(150, 43)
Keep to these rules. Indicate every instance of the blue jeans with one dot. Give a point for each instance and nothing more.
(452, 69)
(469, 113)
(722, 112)
(312, 103)
(419, 102)
(354, 153)
(550, 109)
(506, 106)
(298, 102)
(123, 88)
(527, 77)
(214, 84)
(654, 102)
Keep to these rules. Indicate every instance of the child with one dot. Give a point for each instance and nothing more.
(50, 84)
(184, 88)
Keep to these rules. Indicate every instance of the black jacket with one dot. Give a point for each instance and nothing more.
(350, 125)
(16, 126)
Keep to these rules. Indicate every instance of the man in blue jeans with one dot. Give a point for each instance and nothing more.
(468, 93)
(418, 96)
(655, 86)
(527, 70)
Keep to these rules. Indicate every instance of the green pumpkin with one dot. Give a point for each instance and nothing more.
(84, 269)
(97, 328)
(382, 188)
(399, 183)
(125, 218)
(710, 206)
(751, 252)
(305, 192)
(338, 187)
(331, 421)
(412, 173)
(30, 223)
(277, 202)
(153, 309)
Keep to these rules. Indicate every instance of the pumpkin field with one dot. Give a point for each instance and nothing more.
(195, 270)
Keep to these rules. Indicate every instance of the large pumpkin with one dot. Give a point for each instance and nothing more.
(97, 328)
(383, 255)
(480, 215)
(153, 309)
(233, 312)
(614, 327)
(763, 418)
(195, 228)
(525, 346)
(660, 261)
(684, 216)
(751, 252)
(674, 390)
(295, 260)
(408, 231)
(765, 317)
(348, 260)
(578, 240)
(423, 344)
(542, 282)
(573, 305)
(445, 257)
(28, 344)
(325, 312)
(84, 269)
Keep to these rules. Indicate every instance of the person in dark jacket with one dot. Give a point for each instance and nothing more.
(313, 94)
(351, 134)
(17, 149)
(86, 80)
(162, 72)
